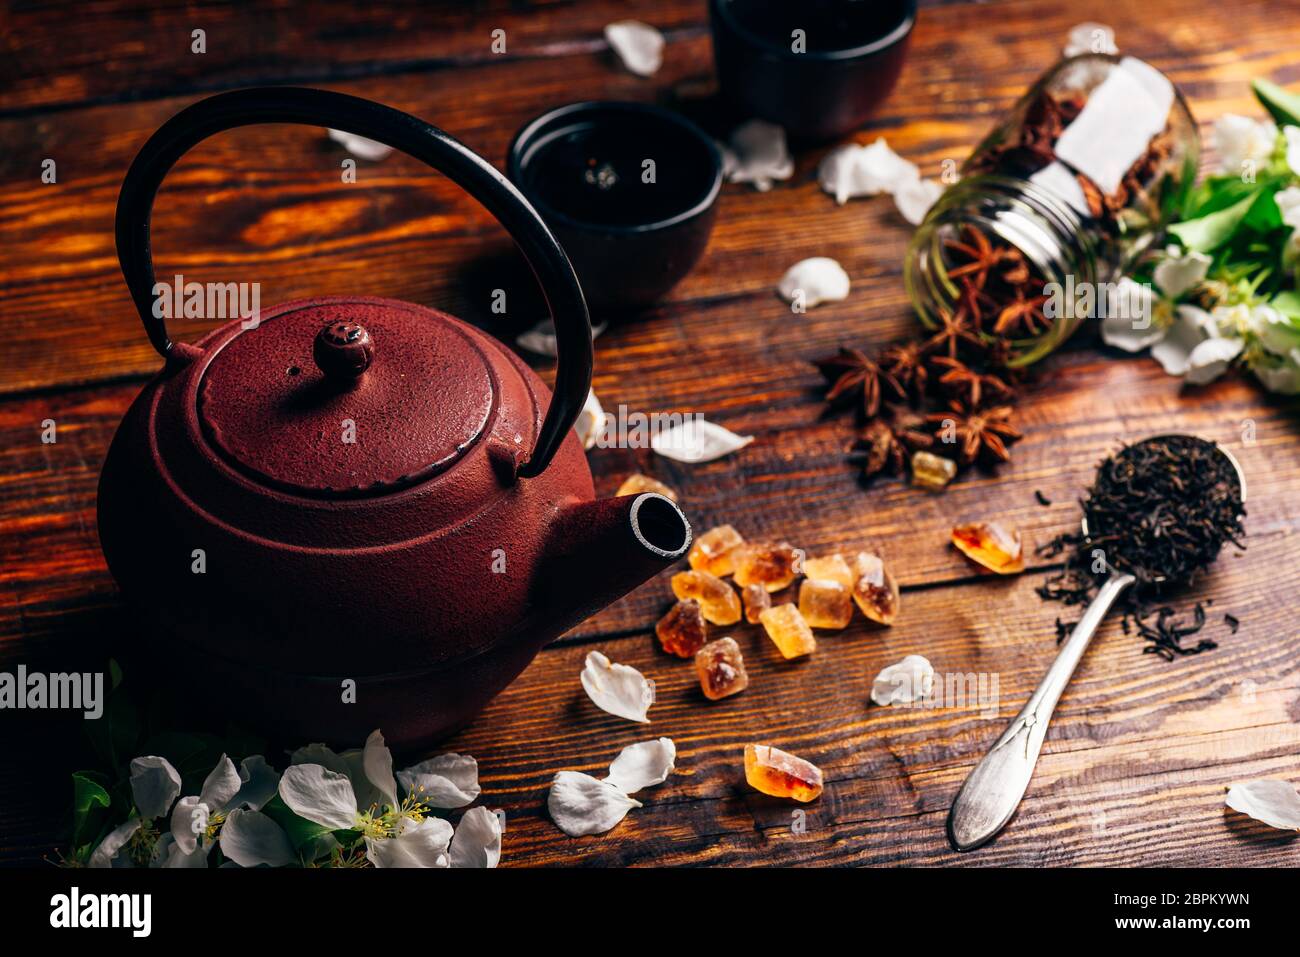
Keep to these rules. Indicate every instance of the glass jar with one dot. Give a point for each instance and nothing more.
(1062, 196)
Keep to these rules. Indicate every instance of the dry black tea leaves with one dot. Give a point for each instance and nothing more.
(1161, 510)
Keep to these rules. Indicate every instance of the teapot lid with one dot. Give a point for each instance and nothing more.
(346, 397)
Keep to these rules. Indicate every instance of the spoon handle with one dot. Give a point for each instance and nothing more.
(994, 788)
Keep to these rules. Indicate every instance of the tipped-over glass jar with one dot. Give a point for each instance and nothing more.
(1054, 205)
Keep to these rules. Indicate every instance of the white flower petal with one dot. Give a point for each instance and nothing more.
(258, 783)
(319, 795)
(580, 804)
(1292, 135)
(221, 785)
(1090, 38)
(189, 821)
(477, 841)
(697, 440)
(155, 784)
(1288, 204)
(541, 338)
(1176, 274)
(1211, 359)
(1281, 375)
(757, 153)
(910, 680)
(449, 780)
(642, 765)
(320, 754)
(915, 198)
(114, 841)
(421, 844)
(850, 171)
(1190, 329)
(591, 421)
(173, 855)
(359, 146)
(811, 282)
(1240, 139)
(1277, 333)
(620, 690)
(1276, 803)
(1127, 317)
(250, 838)
(377, 761)
(639, 45)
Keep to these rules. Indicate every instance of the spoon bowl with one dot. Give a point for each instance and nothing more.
(1128, 450)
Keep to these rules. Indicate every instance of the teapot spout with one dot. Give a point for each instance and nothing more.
(600, 550)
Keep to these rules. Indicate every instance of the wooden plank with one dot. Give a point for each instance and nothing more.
(267, 205)
(61, 54)
(793, 482)
(1139, 747)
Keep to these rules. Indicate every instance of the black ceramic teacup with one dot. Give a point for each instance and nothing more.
(629, 189)
(818, 68)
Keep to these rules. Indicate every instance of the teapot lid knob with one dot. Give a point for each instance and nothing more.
(343, 350)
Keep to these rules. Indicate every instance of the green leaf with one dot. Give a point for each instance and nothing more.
(1213, 230)
(90, 804)
(1287, 303)
(300, 830)
(1284, 106)
(115, 734)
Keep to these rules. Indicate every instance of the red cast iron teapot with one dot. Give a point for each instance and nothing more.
(355, 514)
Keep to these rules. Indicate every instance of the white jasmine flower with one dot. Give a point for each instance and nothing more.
(358, 791)
(1240, 140)
(1196, 347)
(757, 153)
(639, 46)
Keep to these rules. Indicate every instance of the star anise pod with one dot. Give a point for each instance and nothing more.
(852, 374)
(906, 363)
(978, 433)
(886, 441)
(960, 379)
(955, 329)
(979, 254)
(880, 449)
(1023, 314)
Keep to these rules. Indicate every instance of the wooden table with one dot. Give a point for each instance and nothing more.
(1140, 752)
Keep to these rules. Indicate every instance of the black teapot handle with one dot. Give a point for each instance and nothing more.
(394, 128)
